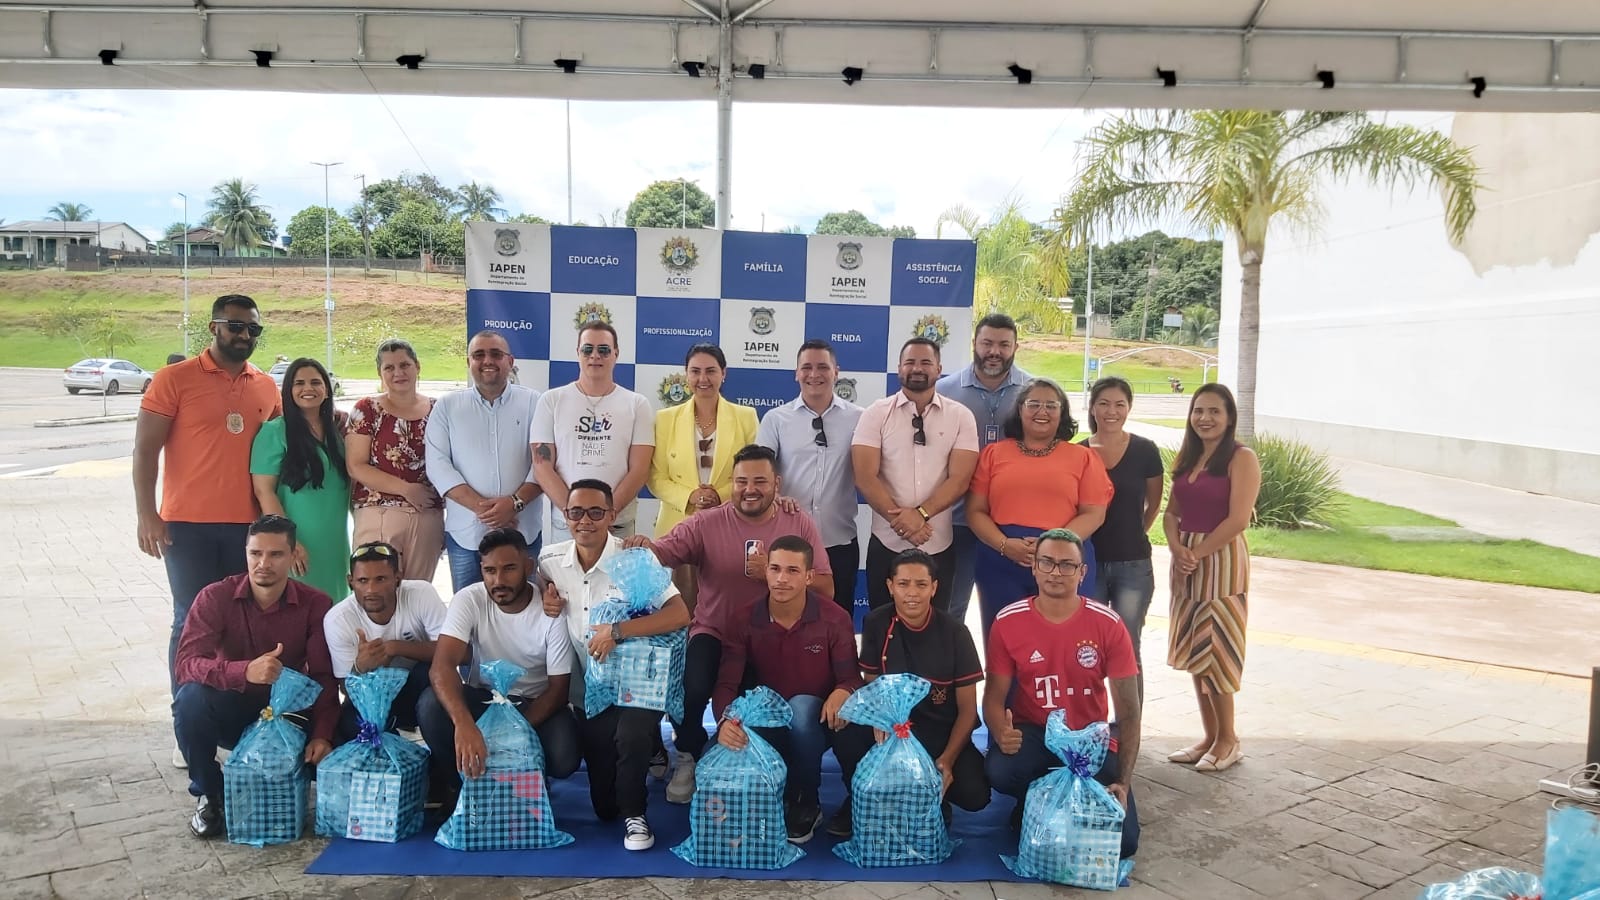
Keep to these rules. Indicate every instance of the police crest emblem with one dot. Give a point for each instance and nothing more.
(845, 389)
(762, 321)
(849, 255)
(507, 241)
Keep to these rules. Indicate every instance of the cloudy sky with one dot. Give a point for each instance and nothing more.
(128, 154)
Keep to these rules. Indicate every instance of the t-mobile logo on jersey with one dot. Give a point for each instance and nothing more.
(1047, 688)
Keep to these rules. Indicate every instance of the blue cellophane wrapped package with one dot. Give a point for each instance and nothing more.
(1493, 883)
(373, 788)
(895, 794)
(1572, 854)
(643, 672)
(1071, 825)
(736, 817)
(508, 806)
(264, 780)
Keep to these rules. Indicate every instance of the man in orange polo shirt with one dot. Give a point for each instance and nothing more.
(202, 414)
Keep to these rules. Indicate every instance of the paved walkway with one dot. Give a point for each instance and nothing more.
(1370, 771)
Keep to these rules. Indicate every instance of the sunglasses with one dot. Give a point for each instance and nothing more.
(377, 549)
(576, 513)
(600, 350)
(236, 327)
(705, 452)
(920, 438)
(821, 437)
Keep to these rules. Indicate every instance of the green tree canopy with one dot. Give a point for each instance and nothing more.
(479, 202)
(305, 233)
(1019, 272)
(854, 222)
(416, 225)
(237, 212)
(530, 219)
(69, 212)
(671, 204)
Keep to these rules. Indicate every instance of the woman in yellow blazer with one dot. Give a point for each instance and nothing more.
(692, 468)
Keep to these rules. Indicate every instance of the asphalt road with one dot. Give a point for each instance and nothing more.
(32, 394)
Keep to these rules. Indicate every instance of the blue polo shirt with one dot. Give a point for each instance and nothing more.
(990, 408)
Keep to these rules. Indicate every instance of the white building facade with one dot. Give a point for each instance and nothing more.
(44, 242)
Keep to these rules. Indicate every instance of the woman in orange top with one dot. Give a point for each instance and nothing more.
(1035, 481)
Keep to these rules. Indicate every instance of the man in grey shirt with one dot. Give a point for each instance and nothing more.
(811, 435)
(479, 460)
(989, 388)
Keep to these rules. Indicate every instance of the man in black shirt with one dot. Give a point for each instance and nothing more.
(913, 637)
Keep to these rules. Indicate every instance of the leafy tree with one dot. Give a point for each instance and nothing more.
(305, 233)
(791, 229)
(69, 212)
(107, 331)
(416, 225)
(530, 219)
(384, 198)
(671, 204)
(1240, 170)
(856, 223)
(1018, 273)
(479, 202)
(237, 213)
(175, 230)
(1199, 327)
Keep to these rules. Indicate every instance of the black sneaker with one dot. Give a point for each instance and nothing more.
(946, 813)
(1016, 819)
(658, 765)
(842, 825)
(207, 822)
(801, 821)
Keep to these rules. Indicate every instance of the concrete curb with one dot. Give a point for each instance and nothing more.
(84, 420)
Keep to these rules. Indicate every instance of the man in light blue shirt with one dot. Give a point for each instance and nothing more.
(989, 388)
(479, 460)
(811, 435)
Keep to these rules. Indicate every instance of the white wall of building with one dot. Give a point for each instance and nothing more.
(1381, 341)
(119, 236)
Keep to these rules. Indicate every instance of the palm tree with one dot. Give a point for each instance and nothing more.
(478, 202)
(1239, 170)
(1019, 273)
(236, 212)
(69, 212)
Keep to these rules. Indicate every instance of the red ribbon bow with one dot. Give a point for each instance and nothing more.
(902, 730)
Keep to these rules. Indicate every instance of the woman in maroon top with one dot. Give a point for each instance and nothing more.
(384, 453)
(1214, 485)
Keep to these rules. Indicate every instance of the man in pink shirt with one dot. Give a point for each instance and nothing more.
(728, 544)
(914, 453)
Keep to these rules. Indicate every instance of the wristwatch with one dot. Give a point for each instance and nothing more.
(517, 504)
(616, 632)
(924, 513)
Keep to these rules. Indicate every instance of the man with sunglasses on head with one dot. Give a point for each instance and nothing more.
(478, 458)
(811, 435)
(618, 742)
(914, 453)
(383, 622)
(594, 428)
(202, 414)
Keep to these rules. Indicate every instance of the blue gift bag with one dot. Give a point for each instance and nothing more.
(643, 672)
(508, 807)
(373, 788)
(895, 794)
(1071, 825)
(736, 817)
(264, 780)
(1572, 854)
(1493, 883)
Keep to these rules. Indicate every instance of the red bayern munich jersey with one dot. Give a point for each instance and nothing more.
(1060, 665)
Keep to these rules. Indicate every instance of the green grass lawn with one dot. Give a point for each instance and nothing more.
(1066, 369)
(1164, 423)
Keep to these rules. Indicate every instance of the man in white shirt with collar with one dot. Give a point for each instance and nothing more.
(811, 435)
(478, 458)
(594, 428)
(618, 742)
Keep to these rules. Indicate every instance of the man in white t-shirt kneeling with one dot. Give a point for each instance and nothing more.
(498, 619)
(383, 622)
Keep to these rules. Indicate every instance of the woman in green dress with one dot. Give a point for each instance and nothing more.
(297, 468)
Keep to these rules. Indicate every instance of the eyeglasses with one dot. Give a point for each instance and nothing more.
(374, 549)
(497, 355)
(1036, 405)
(236, 327)
(600, 350)
(576, 513)
(1048, 565)
(921, 437)
(705, 452)
(821, 437)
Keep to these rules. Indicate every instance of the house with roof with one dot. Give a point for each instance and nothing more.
(44, 243)
(205, 242)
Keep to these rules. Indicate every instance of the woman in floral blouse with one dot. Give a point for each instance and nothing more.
(384, 451)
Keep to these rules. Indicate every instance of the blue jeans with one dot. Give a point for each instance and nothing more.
(1012, 775)
(205, 719)
(962, 543)
(805, 740)
(557, 734)
(201, 553)
(1002, 582)
(466, 569)
(1127, 588)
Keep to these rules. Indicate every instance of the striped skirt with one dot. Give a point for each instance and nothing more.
(1207, 634)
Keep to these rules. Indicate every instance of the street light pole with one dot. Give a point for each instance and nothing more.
(184, 327)
(327, 260)
(569, 163)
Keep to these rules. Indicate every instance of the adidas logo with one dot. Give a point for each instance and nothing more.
(1037, 657)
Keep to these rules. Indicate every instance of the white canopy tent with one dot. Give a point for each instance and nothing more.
(1375, 54)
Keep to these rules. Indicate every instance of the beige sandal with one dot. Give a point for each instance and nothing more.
(1186, 756)
(1210, 763)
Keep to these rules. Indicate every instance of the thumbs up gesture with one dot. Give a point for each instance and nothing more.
(1008, 738)
(373, 654)
(265, 668)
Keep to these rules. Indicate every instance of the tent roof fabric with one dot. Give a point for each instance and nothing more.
(1416, 54)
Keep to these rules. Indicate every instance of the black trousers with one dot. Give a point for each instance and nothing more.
(880, 557)
(617, 746)
(969, 788)
(845, 560)
(701, 661)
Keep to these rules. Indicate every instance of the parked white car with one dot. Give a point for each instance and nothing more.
(108, 376)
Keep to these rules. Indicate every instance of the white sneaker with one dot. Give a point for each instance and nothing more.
(637, 834)
(178, 762)
(681, 788)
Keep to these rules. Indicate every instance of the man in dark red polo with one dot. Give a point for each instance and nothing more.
(804, 648)
(240, 634)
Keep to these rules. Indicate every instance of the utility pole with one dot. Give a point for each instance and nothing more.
(184, 326)
(327, 262)
(569, 162)
(1149, 291)
(683, 214)
(366, 224)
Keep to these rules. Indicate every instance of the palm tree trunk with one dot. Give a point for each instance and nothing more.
(1249, 340)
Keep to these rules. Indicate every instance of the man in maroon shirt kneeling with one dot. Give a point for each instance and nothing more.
(241, 633)
(804, 648)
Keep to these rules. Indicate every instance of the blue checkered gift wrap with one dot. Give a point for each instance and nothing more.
(1572, 853)
(373, 788)
(895, 794)
(508, 806)
(642, 672)
(736, 817)
(265, 781)
(1071, 825)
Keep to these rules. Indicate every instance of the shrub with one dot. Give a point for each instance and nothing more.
(1298, 486)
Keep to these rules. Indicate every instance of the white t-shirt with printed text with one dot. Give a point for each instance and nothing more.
(593, 436)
